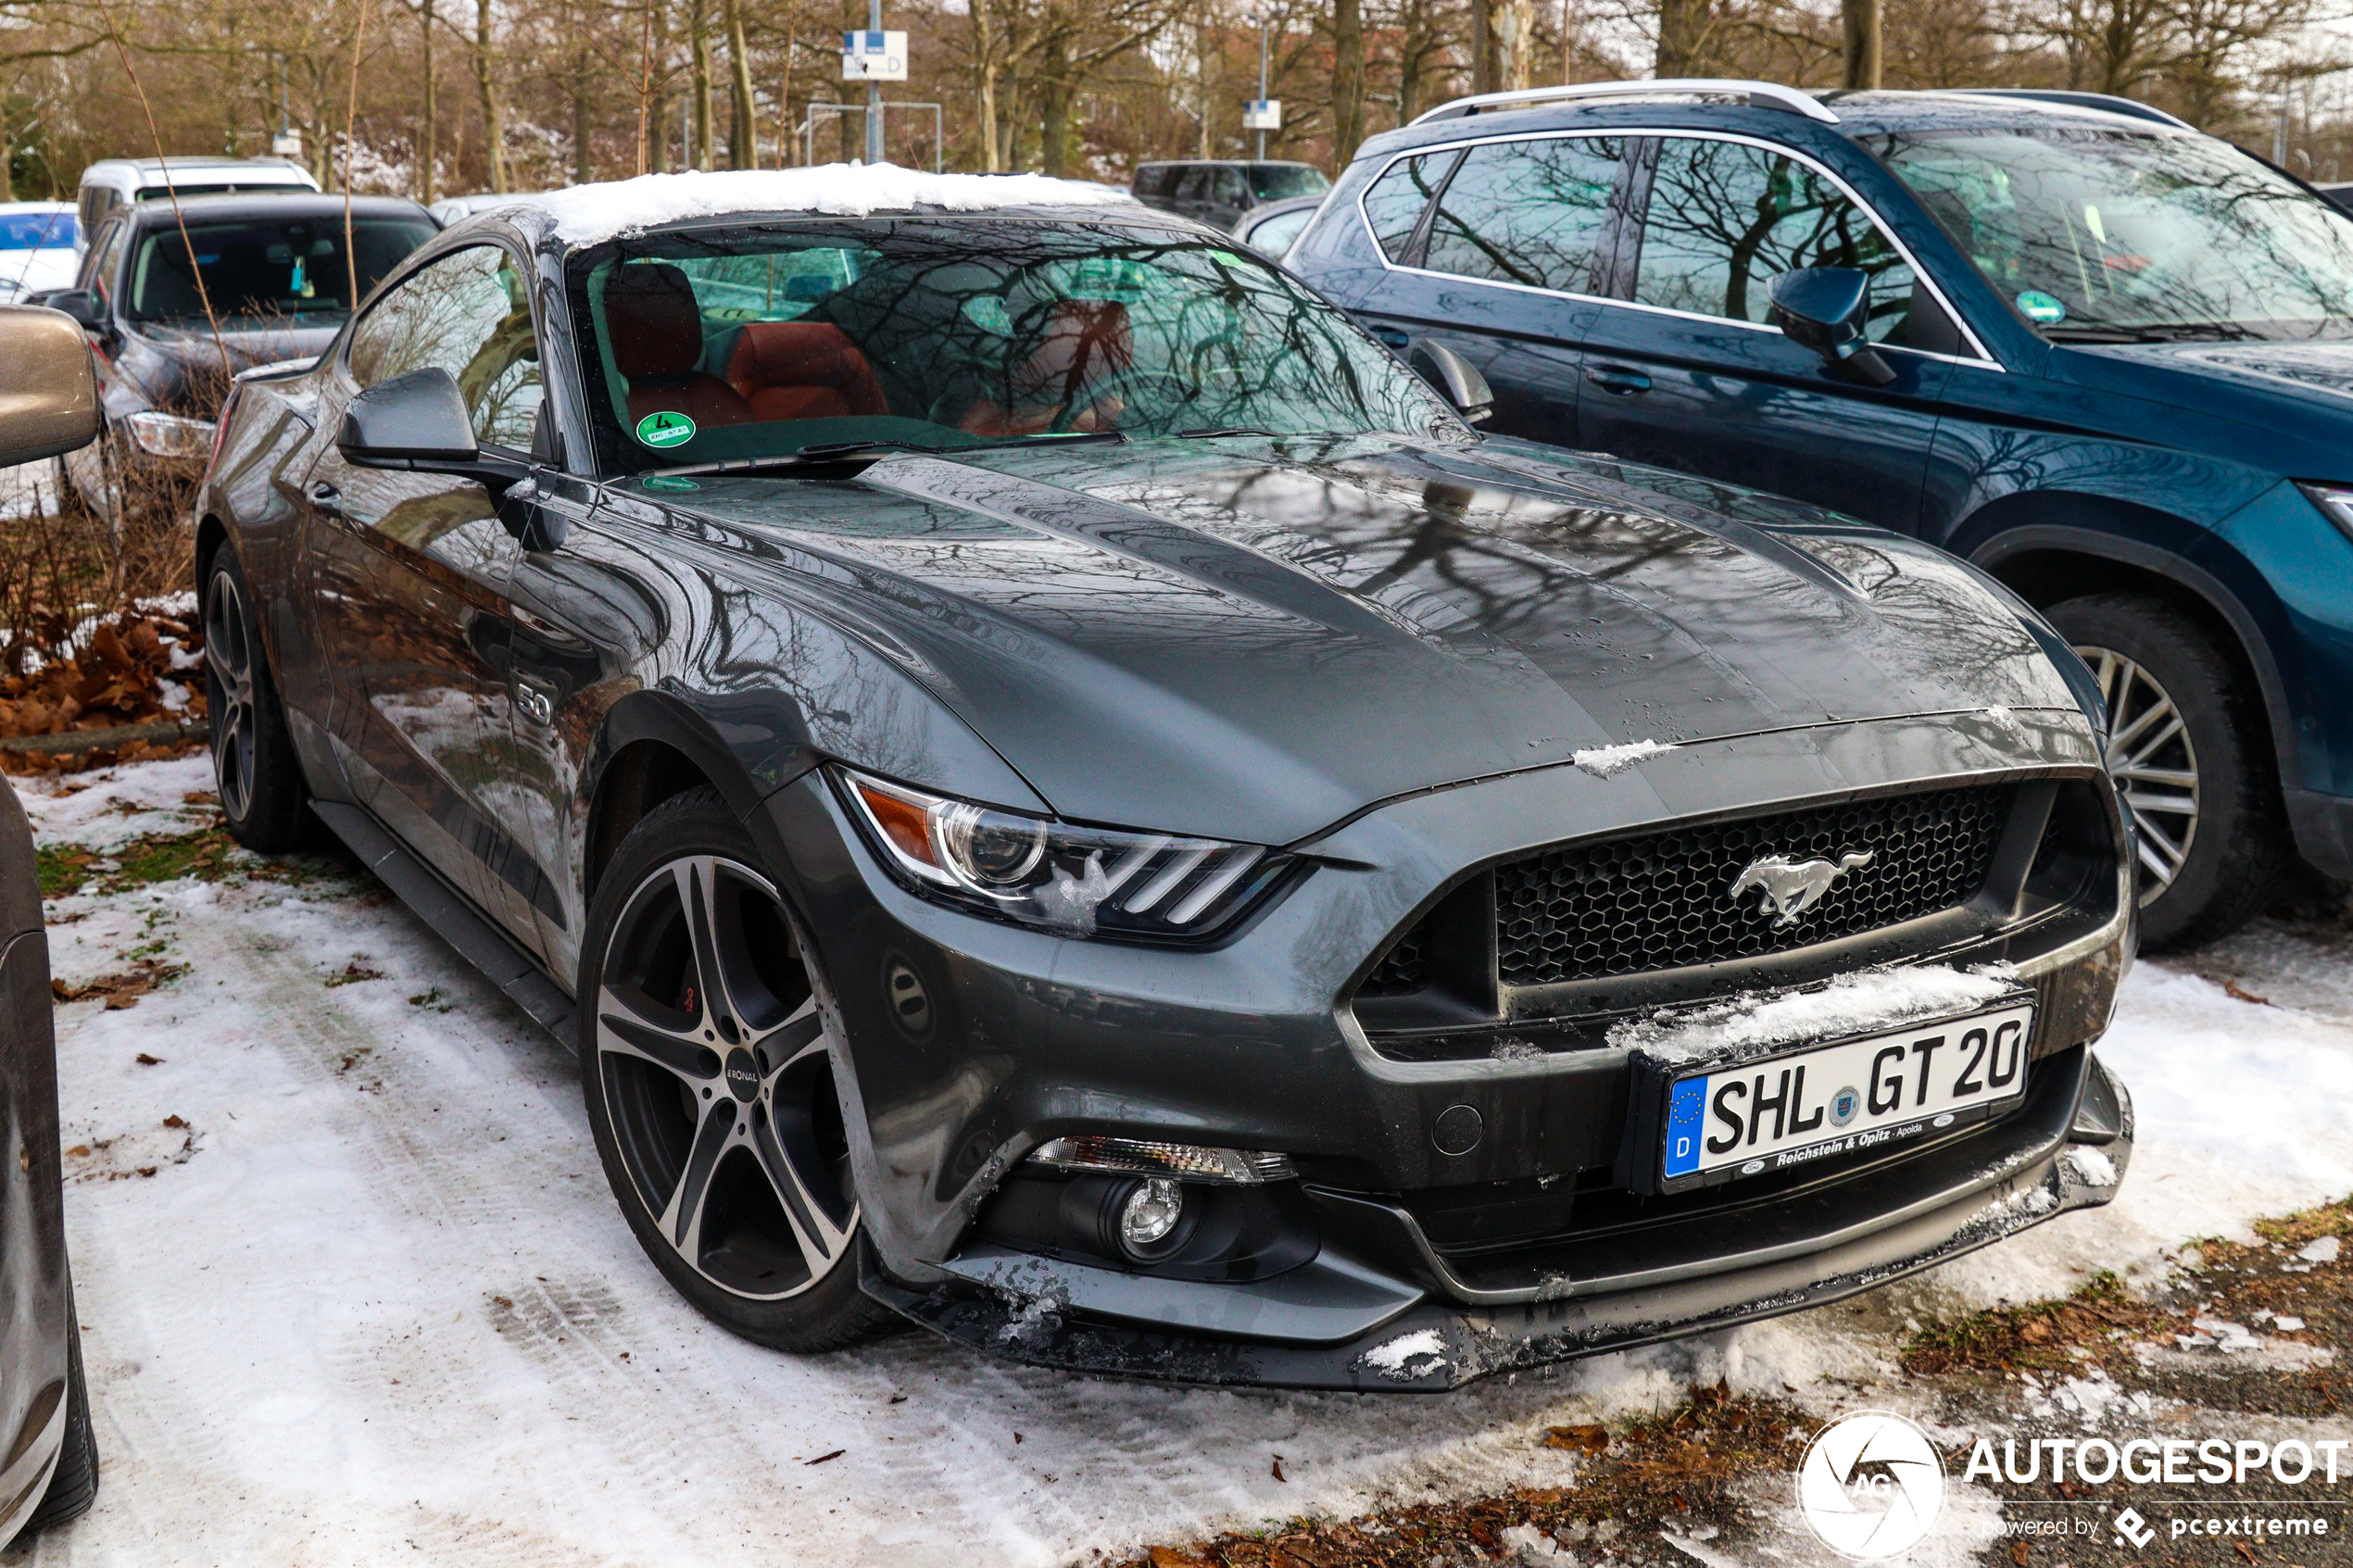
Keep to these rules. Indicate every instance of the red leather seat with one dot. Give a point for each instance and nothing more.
(803, 371)
(656, 330)
(1089, 342)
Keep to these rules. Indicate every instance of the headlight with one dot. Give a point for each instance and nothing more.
(2335, 502)
(1080, 881)
(168, 436)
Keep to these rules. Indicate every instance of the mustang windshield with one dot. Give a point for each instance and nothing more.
(760, 342)
(2097, 233)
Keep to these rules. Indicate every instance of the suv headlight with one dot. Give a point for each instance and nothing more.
(168, 436)
(1077, 881)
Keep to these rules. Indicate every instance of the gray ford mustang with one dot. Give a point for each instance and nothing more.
(1063, 794)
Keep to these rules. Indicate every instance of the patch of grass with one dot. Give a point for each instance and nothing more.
(63, 868)
(2041, 1334)
(205, 853)
(1679, 1465)
(2299, 1229)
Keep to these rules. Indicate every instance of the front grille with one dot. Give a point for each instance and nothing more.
(1629, 906)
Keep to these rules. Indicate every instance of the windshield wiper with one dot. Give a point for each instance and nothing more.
(819, 453)
(1212, 433)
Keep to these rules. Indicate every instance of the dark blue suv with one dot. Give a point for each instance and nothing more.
(2108, 359)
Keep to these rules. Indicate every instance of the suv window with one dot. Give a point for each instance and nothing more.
(1228, 190)
(1527, 212)
(1726, 219)
(103, 254)
(1395, 202)
(468, 313)
(1193, 184)
(1154, 178)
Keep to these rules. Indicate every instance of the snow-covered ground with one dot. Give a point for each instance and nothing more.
(353, 1289)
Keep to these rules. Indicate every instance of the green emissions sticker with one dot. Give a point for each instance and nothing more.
(2041, 308)
(665, 429)
(664, 482)
(1228, 257)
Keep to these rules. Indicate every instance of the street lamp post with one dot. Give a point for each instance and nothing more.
(873, 94)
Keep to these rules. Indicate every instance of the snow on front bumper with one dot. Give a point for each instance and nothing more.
(1430, 1327)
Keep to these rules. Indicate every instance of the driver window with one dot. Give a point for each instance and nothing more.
(1727, 218)
(469, 314)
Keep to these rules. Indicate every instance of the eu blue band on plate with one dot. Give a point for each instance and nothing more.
(1686, 1105)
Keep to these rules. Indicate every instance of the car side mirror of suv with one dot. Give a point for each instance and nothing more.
(49, 399)
(1826, 309)
(1457, 378)
(418, 421)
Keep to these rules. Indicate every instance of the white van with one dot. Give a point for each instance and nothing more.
(115, 182)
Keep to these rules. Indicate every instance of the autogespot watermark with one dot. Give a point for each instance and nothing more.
(1872, 1486)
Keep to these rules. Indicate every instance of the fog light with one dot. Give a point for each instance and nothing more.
(1150, 1213)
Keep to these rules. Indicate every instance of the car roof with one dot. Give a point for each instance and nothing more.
(302, 204)
(1226, 163)
(185, 164)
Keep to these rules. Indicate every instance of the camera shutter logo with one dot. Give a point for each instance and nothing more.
(1871, 1485)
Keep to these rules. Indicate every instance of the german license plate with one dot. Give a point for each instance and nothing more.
(1785, 1111)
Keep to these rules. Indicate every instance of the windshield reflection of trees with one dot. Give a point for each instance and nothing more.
(2173, 235)
(1052, 327)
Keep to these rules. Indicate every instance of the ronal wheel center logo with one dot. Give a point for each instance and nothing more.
(743, 1076)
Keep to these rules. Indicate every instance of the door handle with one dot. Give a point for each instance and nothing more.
(1623, 380)
(326, 500)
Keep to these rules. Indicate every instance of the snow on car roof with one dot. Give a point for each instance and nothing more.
(587, 215)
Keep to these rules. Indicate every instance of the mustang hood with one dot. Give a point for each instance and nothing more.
(1255, 639)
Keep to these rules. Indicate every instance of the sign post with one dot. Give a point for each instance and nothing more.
(874, 58)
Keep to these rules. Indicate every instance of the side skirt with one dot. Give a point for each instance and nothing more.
(453, 920)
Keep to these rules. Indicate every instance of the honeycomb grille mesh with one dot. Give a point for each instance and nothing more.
(1404, 970)
(1629, 906)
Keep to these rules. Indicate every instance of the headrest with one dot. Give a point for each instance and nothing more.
(653, 321)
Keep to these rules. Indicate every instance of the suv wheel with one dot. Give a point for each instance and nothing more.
(2190, 753)
(708, 1059)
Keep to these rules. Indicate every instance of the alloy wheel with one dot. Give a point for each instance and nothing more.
(228, 654)
(2155, 767)
(716, 1068)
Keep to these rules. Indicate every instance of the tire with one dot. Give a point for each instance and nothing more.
(2192, 755)
(262, 792)
(73, 1486)
(708, 1052)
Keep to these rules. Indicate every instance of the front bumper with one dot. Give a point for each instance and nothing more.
(971, 1042)
(2067, 1149)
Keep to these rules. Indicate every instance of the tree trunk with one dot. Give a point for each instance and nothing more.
(743, 128)
(699, 45)
(984, 81)
(583, 155)
(429, 151)
(657, 113)
(494, 123)
(1053, 148)
(787, 149)
(1348, 79)
(7, 155)
(1515, 25)
(1862, 27)
(1483, 44)
(1682, 36)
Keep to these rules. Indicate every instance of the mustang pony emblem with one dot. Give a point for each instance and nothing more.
(1791, 887)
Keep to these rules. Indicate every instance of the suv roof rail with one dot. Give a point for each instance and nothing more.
(1763, 94)
(2108, 103)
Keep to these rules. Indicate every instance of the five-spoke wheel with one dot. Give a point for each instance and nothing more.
(709, 1064)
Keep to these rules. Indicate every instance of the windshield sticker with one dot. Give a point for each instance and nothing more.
(2043, 309)
(665, 429)
(664, 482)
(1227, 256)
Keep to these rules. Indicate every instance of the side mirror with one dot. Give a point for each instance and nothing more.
(416, 420)
(1826, 309)
(83, 305)
(1457, 378)
(49, 398)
